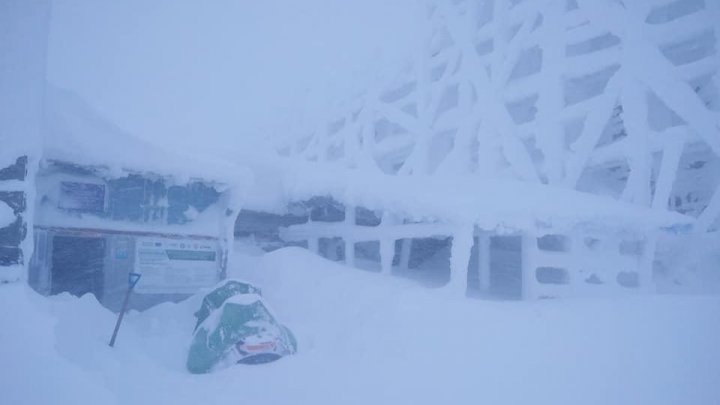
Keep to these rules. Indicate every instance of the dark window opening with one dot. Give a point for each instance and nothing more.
(16, 171)
(77, 265)
(332, 248)
(180, 199)
(264, 227)
(366, 217)
(423, 259)
(325, 209)
(506, 267)
(551, 275)
(628, 279)
(82, 197)
(367, 256)
(553, 243)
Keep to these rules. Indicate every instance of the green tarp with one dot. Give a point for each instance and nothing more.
(234, 326)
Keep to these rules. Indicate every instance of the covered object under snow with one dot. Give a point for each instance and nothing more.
(235, 326)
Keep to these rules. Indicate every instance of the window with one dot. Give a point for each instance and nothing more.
(83, 197)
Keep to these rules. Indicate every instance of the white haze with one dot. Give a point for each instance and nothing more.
(223, 75)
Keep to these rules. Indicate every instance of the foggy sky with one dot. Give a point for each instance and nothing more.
(219, 74)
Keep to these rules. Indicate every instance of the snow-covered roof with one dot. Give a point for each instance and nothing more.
(489, 203)
(74, 132)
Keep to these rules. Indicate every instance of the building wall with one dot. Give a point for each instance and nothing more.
(82, 261)
(93, 229)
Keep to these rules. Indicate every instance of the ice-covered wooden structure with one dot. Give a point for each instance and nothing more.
(481, 237)
(23, 44)
(619, 100)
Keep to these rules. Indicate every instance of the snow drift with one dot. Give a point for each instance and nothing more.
(365, 339)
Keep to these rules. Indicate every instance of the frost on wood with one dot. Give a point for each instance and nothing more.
(521, 261)
(617, 99)
(23, 40)
(601, 96)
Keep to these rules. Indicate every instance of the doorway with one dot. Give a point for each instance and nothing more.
(77, 265)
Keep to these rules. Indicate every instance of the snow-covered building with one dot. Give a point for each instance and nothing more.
(82, 203)
(107, 204)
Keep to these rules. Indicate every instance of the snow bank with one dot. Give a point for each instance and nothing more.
(396, 343)
(366, 339)
(40, 352)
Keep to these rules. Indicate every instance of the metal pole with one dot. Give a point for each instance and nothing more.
(132, 280)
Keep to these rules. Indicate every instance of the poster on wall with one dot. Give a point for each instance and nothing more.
(176, 266)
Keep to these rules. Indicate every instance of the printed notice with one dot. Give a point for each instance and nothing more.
(176, 266)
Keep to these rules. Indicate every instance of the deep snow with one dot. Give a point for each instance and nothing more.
(366, 338)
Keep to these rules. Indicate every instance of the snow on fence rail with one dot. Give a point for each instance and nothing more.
(551, 265)
(574, 257)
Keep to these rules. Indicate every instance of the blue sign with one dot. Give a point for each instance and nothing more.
(133, 279)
